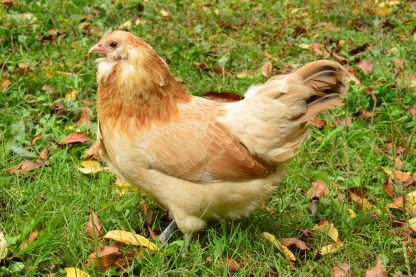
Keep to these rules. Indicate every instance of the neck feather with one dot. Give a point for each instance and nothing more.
(138, 92)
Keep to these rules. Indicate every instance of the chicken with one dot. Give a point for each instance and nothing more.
(202, 159)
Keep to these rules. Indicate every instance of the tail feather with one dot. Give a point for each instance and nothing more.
(329, 82)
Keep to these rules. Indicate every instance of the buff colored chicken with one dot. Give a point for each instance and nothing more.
(199, 158)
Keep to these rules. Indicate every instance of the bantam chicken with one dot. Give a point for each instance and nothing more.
(199, 158)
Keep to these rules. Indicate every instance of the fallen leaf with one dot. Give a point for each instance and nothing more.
(91, 167)
(147, 212)
(75, 272)
(222, 96)
(72, 94)
(123, 187)
(329, 229)
(131, 238)
(36, 138)
(383, 11)
(294, 241)
(7, 3)
(5, 83)
(317, 122)
(105, 256)
(331, 248)
(388, 187)
(402, 176)
(313, 207)
(24, 167)
(32, 237)
(77, 137)
(412, 224)
(318, 190)
(343, 122)
(164, 13)
(3, 246)
(316, 49)
(93, 151)
(232, 264)
(267, 69)
(43, 155)
(94, 227)
(412, 110)
(341, 270)
(398, 65)
(377, 271)
(84, 119)
(48, 89)
(126, 25)
(366, 66)
(351, 213)
(283, 249)
(339, 58)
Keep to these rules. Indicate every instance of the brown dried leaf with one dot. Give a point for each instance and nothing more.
(24, 167)
(366, 66)
(339, 58)
(222, 96)
(32, 237)
(232, 264)
(402, 176)
(276, 243)
(388, 187)
(267, 69)
(43, 155)
(343, 122)
(7, 3)
(77, 137)
(5, 83)
(366, 114)
(317, 122)
(318, 190)
(84, 119)
(398, 65)
(146, 211)
(294, 241)
(412, 110)
(94, 227)
(105, 256)
(316, 49)
(377, 271)
(48, 89)
(93, 151)
(341, 270)
(36, 138)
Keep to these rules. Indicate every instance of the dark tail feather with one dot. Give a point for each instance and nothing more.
(329, 81)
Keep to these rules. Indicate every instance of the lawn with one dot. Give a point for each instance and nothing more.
(364, 152)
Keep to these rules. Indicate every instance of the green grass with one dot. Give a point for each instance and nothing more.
(239, 35)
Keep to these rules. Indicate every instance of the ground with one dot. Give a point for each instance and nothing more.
(47, 80)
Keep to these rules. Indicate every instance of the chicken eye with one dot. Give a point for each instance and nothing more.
(113, 44)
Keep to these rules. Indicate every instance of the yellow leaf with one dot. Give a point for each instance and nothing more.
(352, 213)
(331, 248)
(3, 246)
(75, 272)
(279, 246)
(131, 238)
(389, 3)
(329, 229)
(124, 187)
(5, 83)
(164, 13)
(70, 95)
(412, 224)
(383, 11)
(90, 167)
(126, 25)
(304, 45)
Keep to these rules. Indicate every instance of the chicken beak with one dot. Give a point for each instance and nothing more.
(98, 49)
